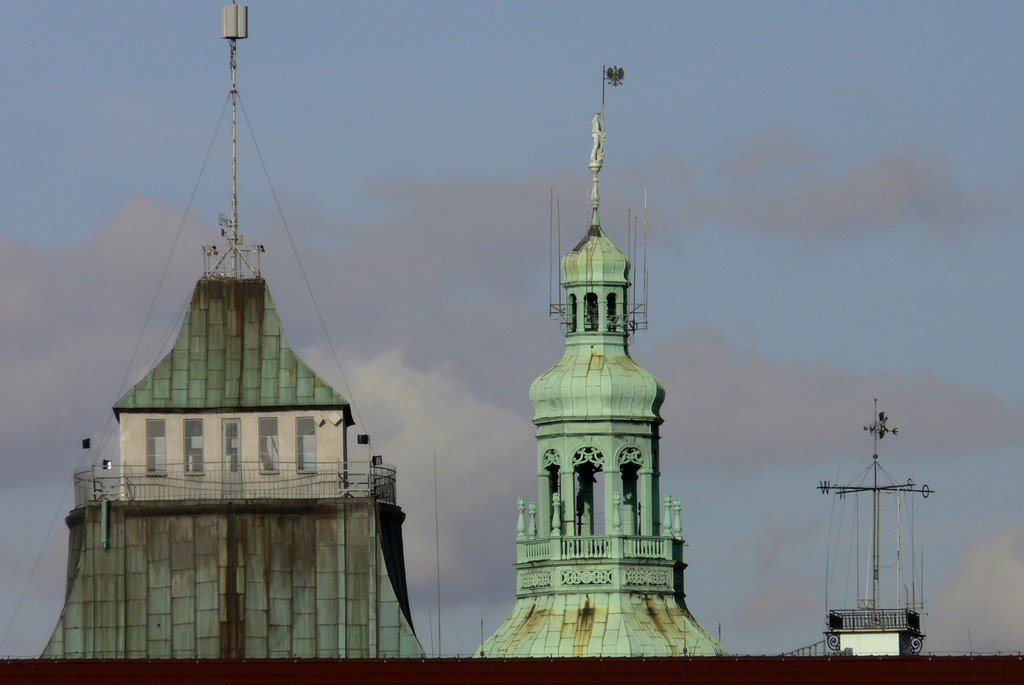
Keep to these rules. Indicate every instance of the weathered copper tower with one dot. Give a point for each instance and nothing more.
(235, 523)
(599, 561)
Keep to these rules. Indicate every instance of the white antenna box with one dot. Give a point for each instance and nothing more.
(234, 21)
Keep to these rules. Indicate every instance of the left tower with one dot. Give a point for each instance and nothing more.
(235, 523)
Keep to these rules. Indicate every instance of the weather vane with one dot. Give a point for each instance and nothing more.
(880, 427)
(613, 75)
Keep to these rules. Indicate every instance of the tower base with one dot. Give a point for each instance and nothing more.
(600, 624)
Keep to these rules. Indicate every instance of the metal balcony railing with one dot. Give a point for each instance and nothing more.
(874, 619)
(218, 482)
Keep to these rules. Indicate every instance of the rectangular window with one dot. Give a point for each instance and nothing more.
(305, 443)
(193, 445)
(269, 448)
(156, 446)
(232, 436)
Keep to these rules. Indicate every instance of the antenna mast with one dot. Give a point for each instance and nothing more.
(234, 26)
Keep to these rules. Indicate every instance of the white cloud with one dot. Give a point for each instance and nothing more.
(979, 608)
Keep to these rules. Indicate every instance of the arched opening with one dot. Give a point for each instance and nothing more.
(572, 314)
(587, 464)
(553, 487)
(590, 314)
(612, 315)
(630, 461)
(584, 514)
(630, 502)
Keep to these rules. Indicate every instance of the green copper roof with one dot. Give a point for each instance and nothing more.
(587, 384)
(595, 259)
(231, 354)
(596, 378)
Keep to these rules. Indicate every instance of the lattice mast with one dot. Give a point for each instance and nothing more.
(236, 260)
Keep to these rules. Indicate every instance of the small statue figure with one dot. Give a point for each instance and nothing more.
(597, 132)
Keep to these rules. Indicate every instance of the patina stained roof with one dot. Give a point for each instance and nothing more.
(231, 354)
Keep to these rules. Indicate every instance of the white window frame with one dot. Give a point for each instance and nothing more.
(192, 446)
(270, 445)
(305, 458)
(156, 447)
(232, 462)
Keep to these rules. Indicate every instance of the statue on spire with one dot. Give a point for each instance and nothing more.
(597, 152)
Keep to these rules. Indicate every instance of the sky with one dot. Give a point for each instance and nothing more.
(833, 216)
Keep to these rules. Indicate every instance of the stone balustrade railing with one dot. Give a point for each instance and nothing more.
(596, 547)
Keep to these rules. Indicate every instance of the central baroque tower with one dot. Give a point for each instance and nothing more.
(599, 555)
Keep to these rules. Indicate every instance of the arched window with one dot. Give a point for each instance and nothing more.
(572, 314)
(630, 462)
(587, 465)
(591, 314)
(613, 315)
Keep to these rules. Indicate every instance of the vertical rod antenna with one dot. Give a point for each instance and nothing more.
(913, 563)
(551, 245)
(558, 229)
(875, 527)
(437, 557)
(646, 313)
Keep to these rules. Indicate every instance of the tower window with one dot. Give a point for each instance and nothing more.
(572, 314)
(156, 446)
(613, 315)
(590, 315)
(193, 445)
(305, 443)
(269, 446)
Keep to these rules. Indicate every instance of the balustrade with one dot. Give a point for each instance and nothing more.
(287, 481)
(595, 547)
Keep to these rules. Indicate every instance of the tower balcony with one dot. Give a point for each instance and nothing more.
(221, 482)
(598, 547)
(599, 563)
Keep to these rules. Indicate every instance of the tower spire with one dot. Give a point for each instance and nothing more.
(613, 75)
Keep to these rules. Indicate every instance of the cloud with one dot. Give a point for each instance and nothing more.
(768, 153)
(485, 454)
(906, 188)
(980, 606)
(781, 185)
(731, 406)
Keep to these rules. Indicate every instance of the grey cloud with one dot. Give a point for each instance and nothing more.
(910, 188)
(778, 184)
(732, 406)
(979, 607)
(769, 153)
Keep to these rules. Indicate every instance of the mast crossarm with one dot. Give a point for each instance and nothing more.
(842, 490)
